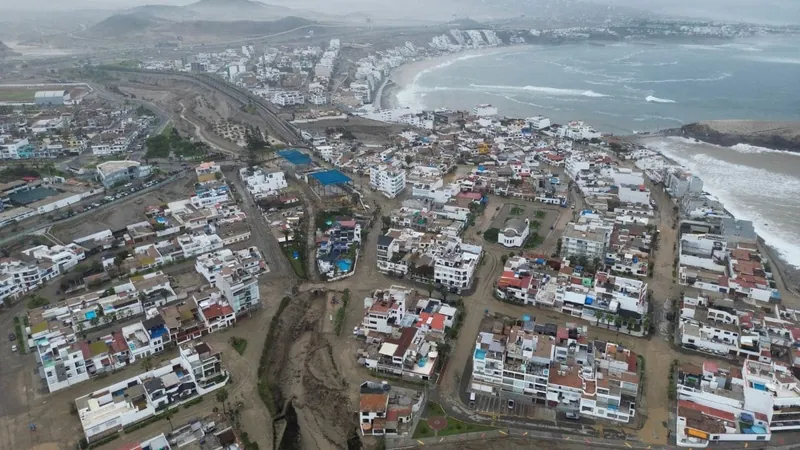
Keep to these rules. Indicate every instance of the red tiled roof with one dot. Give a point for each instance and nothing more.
(795, 333)
(84, 346)
(470, 195)
(118, 343)
(707, 410)
(217, 310)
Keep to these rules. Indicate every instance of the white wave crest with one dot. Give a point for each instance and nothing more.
(541, 89)
(723, 179)
(747, 148)
(652, 99)
(685, 80)
(774, 59)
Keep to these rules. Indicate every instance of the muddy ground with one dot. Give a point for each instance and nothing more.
(302, 371)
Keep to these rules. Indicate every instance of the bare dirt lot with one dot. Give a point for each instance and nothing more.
(125, 212)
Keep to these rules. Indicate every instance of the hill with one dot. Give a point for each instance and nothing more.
(239, 27)
(237, 10)
(123, 25)
(146, 28)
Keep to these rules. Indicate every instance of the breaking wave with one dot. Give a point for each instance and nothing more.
(541, 89)
(652, 99)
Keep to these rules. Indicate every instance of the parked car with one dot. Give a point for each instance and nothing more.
(12, 336)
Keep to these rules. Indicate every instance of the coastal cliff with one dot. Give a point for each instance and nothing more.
(773, 135)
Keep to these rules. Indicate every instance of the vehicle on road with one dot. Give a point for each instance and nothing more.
(13, 348)
(12, 336)
(511, 404)
(572, 415)
(472, 399)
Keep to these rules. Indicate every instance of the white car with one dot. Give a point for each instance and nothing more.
(13, 348)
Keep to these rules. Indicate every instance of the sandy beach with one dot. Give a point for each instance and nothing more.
(407, 74)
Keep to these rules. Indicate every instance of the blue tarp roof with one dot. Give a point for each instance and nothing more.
(295, 157)
(330, 177)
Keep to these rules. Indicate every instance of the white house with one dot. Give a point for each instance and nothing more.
(514, 233)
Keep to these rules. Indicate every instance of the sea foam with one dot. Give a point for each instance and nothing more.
(723, 180)
(541, 89)
(652, 99)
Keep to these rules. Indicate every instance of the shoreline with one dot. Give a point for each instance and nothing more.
(406, 75)
(787, 275)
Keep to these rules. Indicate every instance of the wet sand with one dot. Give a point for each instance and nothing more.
(407, 74)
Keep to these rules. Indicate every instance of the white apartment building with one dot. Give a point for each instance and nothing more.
(538, 122)
(485, 110)
(26, 276)
(579, 240)
(455, 263)
(288, 98)
(235, 275)
(195, 372)
(210, 195)
(385, 309)
(62, 361)
(196, 244)
(261, 183)
(389, 181)
(65, 257)
(578, 131)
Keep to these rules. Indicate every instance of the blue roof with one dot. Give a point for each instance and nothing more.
(295, 157)
(329, 177)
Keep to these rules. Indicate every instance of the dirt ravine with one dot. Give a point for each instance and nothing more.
(302, 370)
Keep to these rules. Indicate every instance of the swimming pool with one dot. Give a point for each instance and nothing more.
(90, 315)
(344, 265)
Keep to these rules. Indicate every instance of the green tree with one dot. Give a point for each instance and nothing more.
(169, 414)
(147, 364)
(221, 396)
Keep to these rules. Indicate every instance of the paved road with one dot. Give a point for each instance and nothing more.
(278, 264)
(31, 229)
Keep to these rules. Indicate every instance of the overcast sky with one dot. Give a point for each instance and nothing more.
(768, 11)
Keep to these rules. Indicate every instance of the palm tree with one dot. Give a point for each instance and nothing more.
(221, 396)
(601, 316)
(147, 364)
(168, 414)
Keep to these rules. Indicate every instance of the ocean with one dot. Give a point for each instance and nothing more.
(619, 88)
(753, 183)
(622, 88)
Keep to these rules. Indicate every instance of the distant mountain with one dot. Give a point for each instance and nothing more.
(145, 28)
(238, 10)
(167, 12)
(239, 27)
(123, 25)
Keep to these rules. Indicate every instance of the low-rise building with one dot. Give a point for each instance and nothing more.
(195, 372)
(115, 173)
